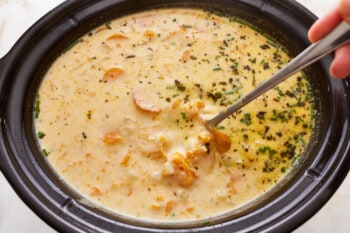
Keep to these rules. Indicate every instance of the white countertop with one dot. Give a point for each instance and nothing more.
(15, 217)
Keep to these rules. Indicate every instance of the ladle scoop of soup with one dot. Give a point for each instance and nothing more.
(119, 115)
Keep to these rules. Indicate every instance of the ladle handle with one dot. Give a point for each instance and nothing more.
(338, 37)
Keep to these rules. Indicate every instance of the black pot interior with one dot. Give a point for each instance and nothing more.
(282, 209)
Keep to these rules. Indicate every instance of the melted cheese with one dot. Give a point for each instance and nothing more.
(122, 115)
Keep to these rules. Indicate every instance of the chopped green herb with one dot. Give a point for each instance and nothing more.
(45, 152)
(108, 25)
(215, 96)
(283, 116)
(179, 85)
(229, 92)
(193, 57)
(221, 127)
(218, 94)
(89, 114)
(235, 65)
(237, 89)
(290, 150)
(247, 119)
(37, 107)
(295, 159)
(267, 149)
(41, 135)
(245, 137)
(261, 115)
(225, 43)
(187, 26)
(272, 43)
(264, 46)
(207, 223)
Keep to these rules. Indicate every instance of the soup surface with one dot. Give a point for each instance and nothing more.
(120, 115)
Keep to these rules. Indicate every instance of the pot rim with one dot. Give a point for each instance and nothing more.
(61, 214)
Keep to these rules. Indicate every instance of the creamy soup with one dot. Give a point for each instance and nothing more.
(120, 115)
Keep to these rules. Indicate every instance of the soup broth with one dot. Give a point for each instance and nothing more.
(120, 115)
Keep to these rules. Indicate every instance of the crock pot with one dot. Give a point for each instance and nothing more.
(289, 204)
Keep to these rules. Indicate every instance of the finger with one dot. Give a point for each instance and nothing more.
(340, 67)
(324, 25)
(344, 9)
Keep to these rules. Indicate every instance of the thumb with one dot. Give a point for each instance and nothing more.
(344, 9)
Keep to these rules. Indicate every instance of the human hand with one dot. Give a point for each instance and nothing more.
(340, 67)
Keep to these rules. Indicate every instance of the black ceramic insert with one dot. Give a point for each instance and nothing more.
(285, 208)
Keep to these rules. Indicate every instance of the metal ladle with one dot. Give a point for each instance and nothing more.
(338, 37)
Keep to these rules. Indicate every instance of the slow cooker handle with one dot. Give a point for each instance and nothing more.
(2, 81)
(2, 73)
